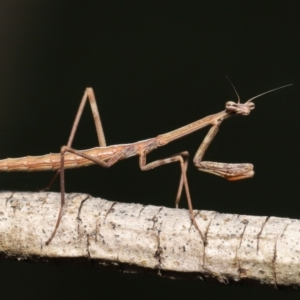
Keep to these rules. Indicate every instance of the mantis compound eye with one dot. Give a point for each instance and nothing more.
(231, 107)
(230, 104)
(251, 105)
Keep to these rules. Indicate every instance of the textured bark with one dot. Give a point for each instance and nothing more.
(134, 237)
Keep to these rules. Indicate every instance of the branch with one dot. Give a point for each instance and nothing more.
(134, 237)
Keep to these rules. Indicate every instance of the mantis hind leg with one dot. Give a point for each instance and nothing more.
(90, 96)
(106, 164)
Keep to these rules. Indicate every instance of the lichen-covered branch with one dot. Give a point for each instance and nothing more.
(158, 239)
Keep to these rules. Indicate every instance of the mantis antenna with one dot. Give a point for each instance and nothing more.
(281, 87)
(257, 96)
(238, 96)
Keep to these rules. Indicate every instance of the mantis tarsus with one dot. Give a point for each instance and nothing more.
(106, 156)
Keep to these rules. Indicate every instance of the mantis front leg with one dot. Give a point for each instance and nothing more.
(229, 171)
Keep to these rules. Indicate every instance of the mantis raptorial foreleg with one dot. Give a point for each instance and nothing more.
(228, 171)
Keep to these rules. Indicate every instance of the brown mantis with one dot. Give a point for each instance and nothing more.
(106, 156)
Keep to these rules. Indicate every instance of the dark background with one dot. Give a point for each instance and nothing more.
(154, 67)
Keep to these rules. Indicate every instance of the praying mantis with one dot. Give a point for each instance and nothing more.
(107, 156)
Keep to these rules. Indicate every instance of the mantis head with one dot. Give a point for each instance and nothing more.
(244, 108)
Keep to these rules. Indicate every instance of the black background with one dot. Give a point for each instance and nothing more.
(154, 67)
